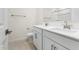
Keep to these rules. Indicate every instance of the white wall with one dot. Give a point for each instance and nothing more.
(75, 18)
(39, 15)
(21, 25)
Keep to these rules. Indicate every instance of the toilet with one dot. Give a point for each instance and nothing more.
(30, 37)
(30, 41)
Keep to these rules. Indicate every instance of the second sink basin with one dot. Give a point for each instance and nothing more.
(65, 30)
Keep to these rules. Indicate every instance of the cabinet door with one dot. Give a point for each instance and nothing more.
(48, 44)
(37, 39)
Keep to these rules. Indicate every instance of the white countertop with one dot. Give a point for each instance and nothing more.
(74, 34)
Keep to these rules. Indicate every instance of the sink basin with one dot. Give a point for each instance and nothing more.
(65, 30)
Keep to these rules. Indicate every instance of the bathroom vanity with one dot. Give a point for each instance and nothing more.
(48, 38)
(55, 38)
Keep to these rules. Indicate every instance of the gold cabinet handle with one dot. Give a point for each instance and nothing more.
(52, 47)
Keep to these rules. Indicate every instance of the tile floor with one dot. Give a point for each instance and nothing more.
(21, 45)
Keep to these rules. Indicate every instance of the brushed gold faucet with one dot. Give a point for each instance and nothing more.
(67, 26)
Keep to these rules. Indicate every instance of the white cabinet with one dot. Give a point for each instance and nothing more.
(42, 40)
(37, 38)
(47, 40)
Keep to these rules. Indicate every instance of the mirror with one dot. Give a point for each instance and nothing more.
(56, 14)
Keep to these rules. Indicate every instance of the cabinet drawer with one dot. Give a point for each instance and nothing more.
(65, 41)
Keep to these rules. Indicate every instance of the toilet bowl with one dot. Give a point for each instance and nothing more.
(30, 37)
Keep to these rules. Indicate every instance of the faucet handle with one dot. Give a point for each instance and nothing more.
(46, 24)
